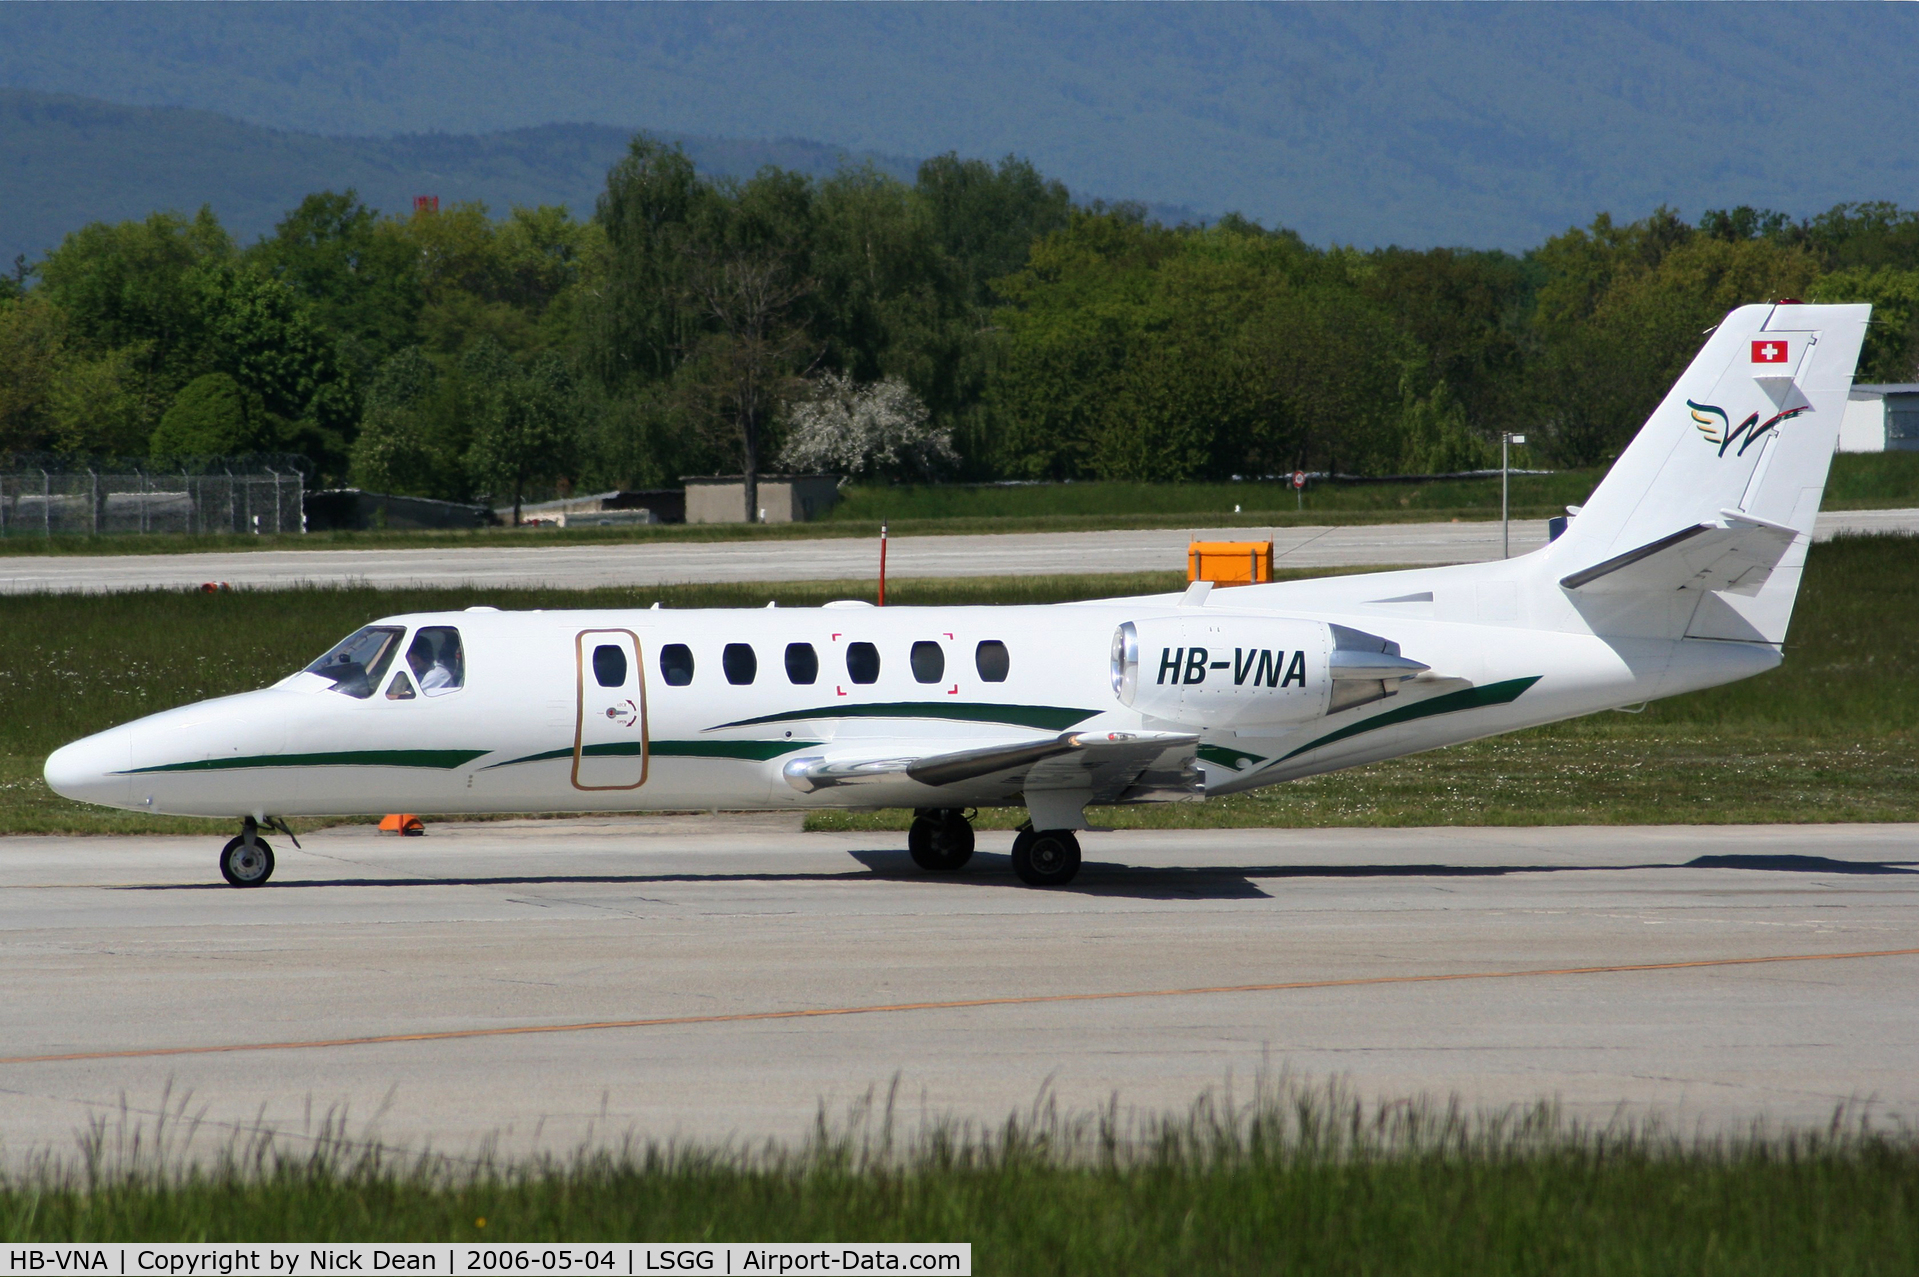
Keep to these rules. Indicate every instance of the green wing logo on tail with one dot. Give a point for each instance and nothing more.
(1717, 428)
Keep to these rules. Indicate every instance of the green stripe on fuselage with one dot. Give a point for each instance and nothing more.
(436, 759)
(1504, 693)
(757, 751)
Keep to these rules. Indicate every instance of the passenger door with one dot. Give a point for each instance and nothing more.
(609, 735)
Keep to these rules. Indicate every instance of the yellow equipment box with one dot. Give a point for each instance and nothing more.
(1229, 562)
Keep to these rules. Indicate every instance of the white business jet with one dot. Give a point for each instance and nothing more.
(1679, 573)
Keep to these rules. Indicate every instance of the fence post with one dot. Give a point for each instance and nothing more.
(146, 499)
(46, 506)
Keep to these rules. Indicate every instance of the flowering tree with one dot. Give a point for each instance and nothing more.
(880, 430)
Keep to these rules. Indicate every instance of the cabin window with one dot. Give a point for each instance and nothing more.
(862, 662)
(739, 663)
(802, 663)
(357, 662)
(401, 688)
(676, 664)
(929, 661)
(609, 665)
(437, 661)
(991, 659)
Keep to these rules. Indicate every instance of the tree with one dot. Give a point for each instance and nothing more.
(398, 448)
(1891, 351)
(359, 283)
(258, 331)
(988, 219)
(653, 202)
(878, 430)
(136, 285)
(212, 417)
(33, 349)
(526, 427)
(747, 278)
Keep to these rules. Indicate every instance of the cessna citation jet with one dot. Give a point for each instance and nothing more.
(1678, 573)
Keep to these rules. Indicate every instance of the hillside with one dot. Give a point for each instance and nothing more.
(1485, 125)
(66, 161)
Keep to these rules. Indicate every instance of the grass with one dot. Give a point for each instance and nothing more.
(1297, 1180)
(1858, 481)
(1830, 736)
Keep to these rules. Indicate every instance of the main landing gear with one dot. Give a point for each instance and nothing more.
(247, 861)
(1045, 857)
(941, 839)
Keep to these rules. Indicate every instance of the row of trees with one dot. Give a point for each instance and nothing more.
(973, 324)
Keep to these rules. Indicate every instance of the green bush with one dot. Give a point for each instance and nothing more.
(212, 417)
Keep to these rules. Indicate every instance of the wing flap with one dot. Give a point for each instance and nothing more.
(1078, 753)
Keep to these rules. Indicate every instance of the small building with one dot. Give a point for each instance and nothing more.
(350, 509)
(1881, 418)
(606, 509)
(784, 498)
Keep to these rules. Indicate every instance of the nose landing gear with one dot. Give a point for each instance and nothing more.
(940, 839)
(247, 861)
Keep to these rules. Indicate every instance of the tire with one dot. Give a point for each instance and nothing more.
(242, 866)
(941, 841)
(1046, 858)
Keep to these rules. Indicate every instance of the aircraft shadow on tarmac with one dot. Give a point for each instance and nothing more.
(1097, 878)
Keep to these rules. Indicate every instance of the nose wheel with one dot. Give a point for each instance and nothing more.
(940, 839)
(247, 861)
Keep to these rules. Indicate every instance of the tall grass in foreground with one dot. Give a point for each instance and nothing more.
(1296, 1179)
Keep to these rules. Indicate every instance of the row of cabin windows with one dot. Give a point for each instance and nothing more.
(741, 664)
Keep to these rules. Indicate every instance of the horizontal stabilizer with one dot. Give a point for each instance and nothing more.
(1736, 555)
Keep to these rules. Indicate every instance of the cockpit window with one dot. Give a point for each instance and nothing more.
(437, 661)
(355, 664)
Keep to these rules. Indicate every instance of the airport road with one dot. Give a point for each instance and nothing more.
(677, 562)
(127, 956)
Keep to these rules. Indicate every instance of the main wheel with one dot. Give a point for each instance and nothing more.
(244, 866)
(940, 840)
(1046, 858)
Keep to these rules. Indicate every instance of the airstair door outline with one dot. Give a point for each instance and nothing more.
(609, 723)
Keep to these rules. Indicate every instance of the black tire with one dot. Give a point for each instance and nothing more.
(1046, 858)
(242, 866)
(941, 841)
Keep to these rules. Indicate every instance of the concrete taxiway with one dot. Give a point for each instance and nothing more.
(549, 982)
(827, 559)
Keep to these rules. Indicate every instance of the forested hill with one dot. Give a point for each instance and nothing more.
(66, 161)
(1483, 125)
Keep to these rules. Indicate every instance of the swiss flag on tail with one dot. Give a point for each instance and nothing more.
(1770, 350)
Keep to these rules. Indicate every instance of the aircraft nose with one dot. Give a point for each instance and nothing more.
(93, 770)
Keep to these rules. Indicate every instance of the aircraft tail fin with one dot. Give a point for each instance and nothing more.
(1701, 526)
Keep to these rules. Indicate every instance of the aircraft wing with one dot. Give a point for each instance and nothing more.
(1109, 763)
(1736, 555)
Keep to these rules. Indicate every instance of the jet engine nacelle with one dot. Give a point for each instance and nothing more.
(1251, 671)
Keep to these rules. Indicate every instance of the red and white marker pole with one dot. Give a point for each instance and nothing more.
(882, 565)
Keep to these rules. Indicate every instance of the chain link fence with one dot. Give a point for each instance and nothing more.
(241, 495)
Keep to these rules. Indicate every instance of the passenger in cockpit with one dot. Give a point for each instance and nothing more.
(436, 660)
